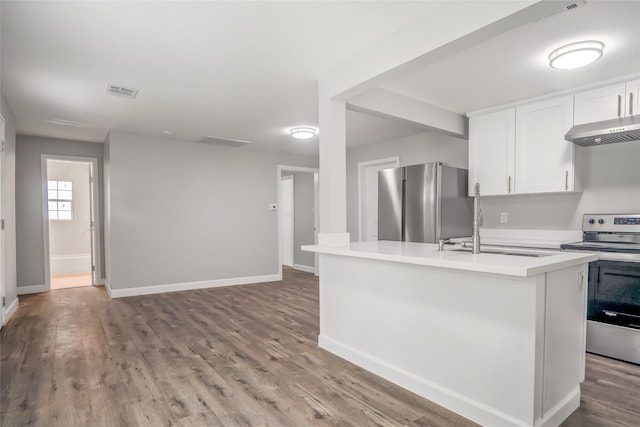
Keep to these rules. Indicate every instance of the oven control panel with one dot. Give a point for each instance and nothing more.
(632, 220)
(611, 222)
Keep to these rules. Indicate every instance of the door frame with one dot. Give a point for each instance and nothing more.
(281, 216)
(2, 232)
(316, 217)
(392, 162)
(96, 253)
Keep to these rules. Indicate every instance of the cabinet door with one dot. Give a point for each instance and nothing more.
(600, 104)
(632, 104)
(544, 160)
(491, 152)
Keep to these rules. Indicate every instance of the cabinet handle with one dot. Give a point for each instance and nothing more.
(566, 180)
(631, 103)
(619, 105)
(509, 184)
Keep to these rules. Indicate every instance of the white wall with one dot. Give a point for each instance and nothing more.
(72, 237)
(29, 209)
(421, 148)
(180, 212)
(611, 184)
(9, 193)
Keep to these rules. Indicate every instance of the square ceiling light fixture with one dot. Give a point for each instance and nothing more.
(576, 55)
(303, 132)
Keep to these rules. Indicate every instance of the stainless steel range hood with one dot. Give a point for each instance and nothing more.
(605, 132)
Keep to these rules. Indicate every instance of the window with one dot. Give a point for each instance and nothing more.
(59, 195)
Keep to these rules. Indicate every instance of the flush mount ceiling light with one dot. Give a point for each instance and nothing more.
(576, 55)
(303, 132)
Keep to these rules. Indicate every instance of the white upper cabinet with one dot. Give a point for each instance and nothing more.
(522, 149)
(544, 160)
(605, 103)
(633, 97)
(491, 152)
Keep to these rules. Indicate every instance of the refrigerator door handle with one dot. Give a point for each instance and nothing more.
(403, 215)
(437, 173)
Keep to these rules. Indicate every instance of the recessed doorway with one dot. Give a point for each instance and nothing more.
(297, 217)
(70, 225)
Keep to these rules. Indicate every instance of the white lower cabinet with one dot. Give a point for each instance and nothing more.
(522, 150)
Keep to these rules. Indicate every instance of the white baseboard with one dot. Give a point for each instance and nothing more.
(100, 282)
(10, 310)
(33, 289)
(305, 268)
(176, 287)
(562, 410)
(107, 286)
(434, 392)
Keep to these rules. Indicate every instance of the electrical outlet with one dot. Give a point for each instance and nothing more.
(504, 218)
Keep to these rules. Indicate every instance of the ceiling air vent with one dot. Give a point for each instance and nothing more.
(566, 7)
(210, 139)
(64, 122)
(121, 91)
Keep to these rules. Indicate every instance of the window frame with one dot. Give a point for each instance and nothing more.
(59, 200)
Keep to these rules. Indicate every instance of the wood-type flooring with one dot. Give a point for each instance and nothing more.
(231, 356)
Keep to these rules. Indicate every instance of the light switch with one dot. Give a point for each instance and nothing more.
(504, 218)
(273, 207)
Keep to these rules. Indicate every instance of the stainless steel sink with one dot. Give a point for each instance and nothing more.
(502, 251)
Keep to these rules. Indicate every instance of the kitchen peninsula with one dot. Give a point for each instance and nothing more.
(497, 338)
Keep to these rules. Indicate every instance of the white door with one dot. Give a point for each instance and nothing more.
(544, 159)
(491, 152)
(286, 206)
(368, 195)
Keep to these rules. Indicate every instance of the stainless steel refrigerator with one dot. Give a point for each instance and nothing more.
(424, 203)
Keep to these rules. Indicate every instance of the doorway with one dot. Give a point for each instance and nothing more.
(70, 222)
(287, 208)
(368, 196)
(297, 217)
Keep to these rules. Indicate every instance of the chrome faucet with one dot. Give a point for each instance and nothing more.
(477, 220)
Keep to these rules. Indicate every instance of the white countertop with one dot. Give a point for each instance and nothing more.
(428, 255)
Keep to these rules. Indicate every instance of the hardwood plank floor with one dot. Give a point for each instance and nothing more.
(232, 356)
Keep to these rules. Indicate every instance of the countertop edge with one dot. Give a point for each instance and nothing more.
(537, 265)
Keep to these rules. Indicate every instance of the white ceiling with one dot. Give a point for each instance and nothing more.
(515, 65)
(241, 70)
(249, 70)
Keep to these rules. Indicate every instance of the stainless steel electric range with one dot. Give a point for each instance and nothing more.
(613, 306)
